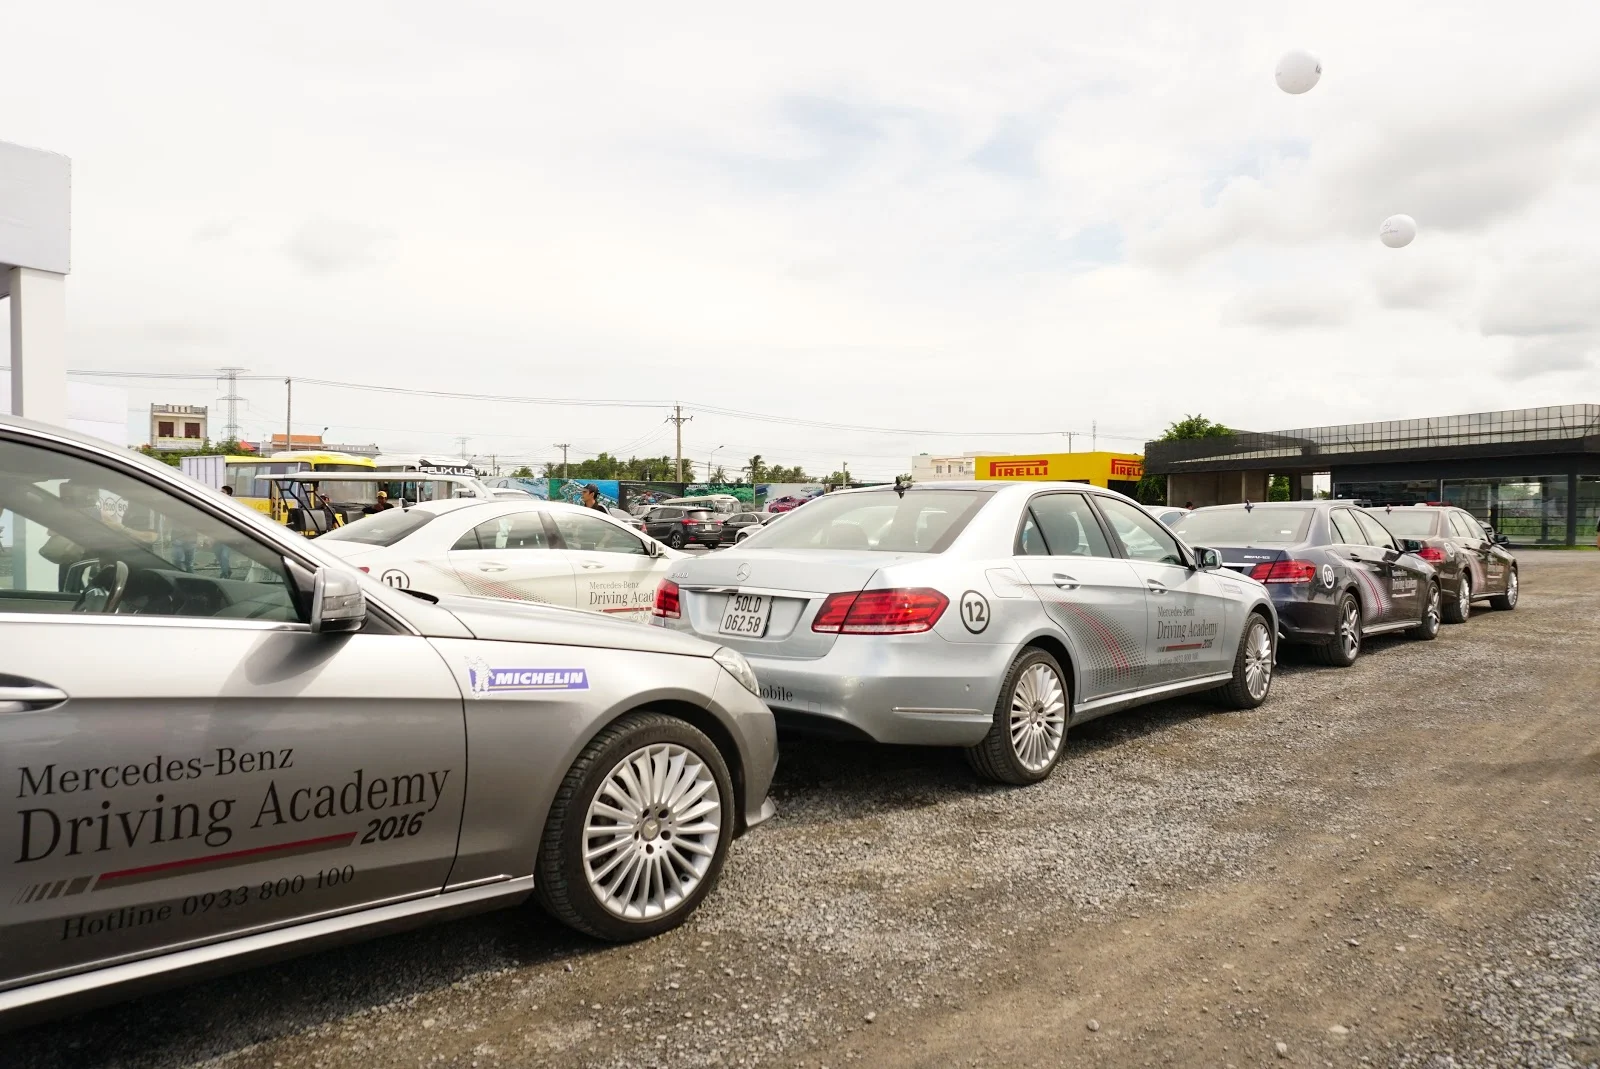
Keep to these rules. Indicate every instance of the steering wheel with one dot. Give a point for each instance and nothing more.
(96, 597)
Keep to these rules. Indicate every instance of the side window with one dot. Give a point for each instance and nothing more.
(1069, 526)
(1374, 532)
(522, 530)
(1030, 543)
(1465, 526)
(82, 537)
(1345, 529)
(1141, 536)
(591, 533)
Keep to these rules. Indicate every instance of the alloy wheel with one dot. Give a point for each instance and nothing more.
(651, 831)
(1257, 660)
(1432, 617)
(1350, 629)
(1466, 595)
(1038, 717)
(1511, 588)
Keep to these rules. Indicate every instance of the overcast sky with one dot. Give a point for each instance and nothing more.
(963, 218)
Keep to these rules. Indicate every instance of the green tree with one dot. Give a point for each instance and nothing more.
(523, 472)
(207, 448)
(758, 471)
(1153, 488)
(1279, 490)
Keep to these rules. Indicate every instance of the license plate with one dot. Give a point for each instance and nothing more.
(746, 615)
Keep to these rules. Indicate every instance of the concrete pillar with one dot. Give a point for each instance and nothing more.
(38, 344)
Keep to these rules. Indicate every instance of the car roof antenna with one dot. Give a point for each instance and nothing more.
(1247, 506)
(900, 485)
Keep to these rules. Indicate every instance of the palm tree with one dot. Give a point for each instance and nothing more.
(756, 472)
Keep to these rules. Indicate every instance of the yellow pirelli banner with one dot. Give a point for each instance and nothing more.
(1100, 469)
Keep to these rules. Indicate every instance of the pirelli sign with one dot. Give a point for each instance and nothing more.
(1100, 469)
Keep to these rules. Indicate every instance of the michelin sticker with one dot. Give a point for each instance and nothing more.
(486, 680)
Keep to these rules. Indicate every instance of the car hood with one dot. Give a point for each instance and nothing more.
(515, 621)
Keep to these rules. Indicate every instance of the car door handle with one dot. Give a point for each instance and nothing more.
(491, 567)
(592, 563)
(1065, 582)
(1155, 587)
(29, 697)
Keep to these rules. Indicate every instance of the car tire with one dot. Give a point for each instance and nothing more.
(1344, 647)
(675, 540)
(1508, 601)
(1029, 733)
(1460, 607)
(1252, 666)
(577, 890)
(1428, 629)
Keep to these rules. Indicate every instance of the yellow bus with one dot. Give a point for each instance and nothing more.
(250, 478)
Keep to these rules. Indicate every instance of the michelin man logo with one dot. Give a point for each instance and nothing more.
(478, 676)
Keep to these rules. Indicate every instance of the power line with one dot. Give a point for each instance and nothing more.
(730, 413)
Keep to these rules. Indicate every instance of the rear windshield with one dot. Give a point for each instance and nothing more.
(924, 521)
(1238, 527)
(698, 515)
(1406, 523)
(381, 528)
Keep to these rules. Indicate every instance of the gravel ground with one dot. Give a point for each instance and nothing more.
(1391, 864)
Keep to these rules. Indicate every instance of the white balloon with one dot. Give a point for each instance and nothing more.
(1298, 71)
(1397, 231)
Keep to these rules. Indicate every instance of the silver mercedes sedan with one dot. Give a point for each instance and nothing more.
(990, 616)
(219, 743)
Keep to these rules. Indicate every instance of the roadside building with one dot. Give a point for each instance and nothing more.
(1114, 471)
(1534, 473)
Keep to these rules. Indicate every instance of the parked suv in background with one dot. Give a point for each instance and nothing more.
(1471, 566)
(678, 526)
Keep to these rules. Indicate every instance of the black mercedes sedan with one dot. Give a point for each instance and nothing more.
(1335, 573)
(1472, 566)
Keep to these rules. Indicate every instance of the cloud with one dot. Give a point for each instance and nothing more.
(1289, 308)
(1407, 281)
(1555, 294)
(1547, 355)
(328, 246)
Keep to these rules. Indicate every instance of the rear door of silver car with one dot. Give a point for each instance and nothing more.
(196, 764)
(1095, 598)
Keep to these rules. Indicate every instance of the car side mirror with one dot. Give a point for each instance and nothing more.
(1207, 560)
(1411, 545)
(337, 604)
(652, 547)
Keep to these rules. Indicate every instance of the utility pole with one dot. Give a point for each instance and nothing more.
(288, 413)
(461, 440)
(563, 446)
(1069, 435)
(680, 419)
(1094, 436)
(844, 467)
(494, 463)
(230, 430)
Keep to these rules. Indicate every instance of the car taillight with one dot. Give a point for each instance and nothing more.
(668, 606)
(1285, 571)
(364, 568)
(1431, 554)
(880, 612)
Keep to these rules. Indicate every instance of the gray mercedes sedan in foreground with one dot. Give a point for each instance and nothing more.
(990, 616)
(220, 744)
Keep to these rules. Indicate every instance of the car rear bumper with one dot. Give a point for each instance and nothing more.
(911, 689)
(1305, 620)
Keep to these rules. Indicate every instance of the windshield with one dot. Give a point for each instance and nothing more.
(1407, 523)
(925, 521)
(699, 515)
(381, 528)
(1233, 527)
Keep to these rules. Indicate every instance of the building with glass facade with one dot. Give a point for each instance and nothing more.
(1534, 473)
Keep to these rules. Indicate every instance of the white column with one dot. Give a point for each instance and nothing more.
(38, 345)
